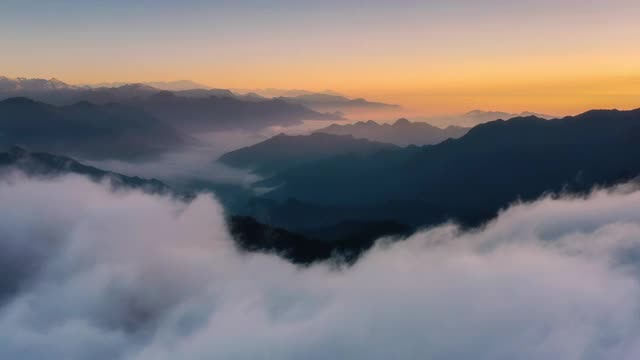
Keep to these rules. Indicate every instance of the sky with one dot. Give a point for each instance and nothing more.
(432, 57)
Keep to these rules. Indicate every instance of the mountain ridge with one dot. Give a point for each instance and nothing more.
(87, 130)
(470, 178)
(192, 110)
(402, 132)
(283, 151)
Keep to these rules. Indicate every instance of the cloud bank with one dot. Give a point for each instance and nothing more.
(92, 274)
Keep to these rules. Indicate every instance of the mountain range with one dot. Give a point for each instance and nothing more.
(402, 132)
(273, 92)
(284, 151)
(467, 179)
(310, 182)
(201, 114)
(86, 130)
(335, 103)
(321, 105)
(477, 117)
(40, 164)
(25, 84)
(177, 85)
(192, 110)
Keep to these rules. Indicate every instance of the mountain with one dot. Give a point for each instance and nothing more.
(342, 243)
(225, 113)
(402, 132)
(8, 85)
(129, 93)
(469, 179)
(203, 93)
(52, 91)
(477, 117)
(121, 94)
(177, 85)
(40, 164)
(192, 110)
(333, 103)
(284, 151)
(56, 92)
(274, 93)
(86, 130)
(125, 91)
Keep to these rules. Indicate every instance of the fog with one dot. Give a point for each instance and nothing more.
(94, 274)
(194, 163)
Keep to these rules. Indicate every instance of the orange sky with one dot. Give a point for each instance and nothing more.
(432, 57)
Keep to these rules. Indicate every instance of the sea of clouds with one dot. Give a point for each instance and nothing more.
(88, 273)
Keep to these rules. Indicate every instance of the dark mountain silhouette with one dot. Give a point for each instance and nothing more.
(86, 130)
(402, 132)
(471, 178)
(358, 230)
(306, 217)
(225, 113)
(333, 103)
(41, 164)
(477, 117)
(343, 243)
(284, 151)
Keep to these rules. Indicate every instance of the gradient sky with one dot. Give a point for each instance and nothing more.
(433, 57)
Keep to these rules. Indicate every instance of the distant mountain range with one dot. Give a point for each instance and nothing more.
(333, 103)
(86, 130)
(177, 85)
(206, 110)
(402, 132)
(273, 93)
(467, 179)
(56, 92)
(197, 114)
(284, 151)
(192, 110)
(477, 117)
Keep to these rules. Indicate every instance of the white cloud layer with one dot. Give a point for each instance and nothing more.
(196, 163)
(91, 274)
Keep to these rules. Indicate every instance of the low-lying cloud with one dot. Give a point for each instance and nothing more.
(92, 274)
(196, 163)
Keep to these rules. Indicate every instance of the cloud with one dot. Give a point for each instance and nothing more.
(197, 163)
(126, 275)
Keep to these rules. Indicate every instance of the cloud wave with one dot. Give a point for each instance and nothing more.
(92, 274)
